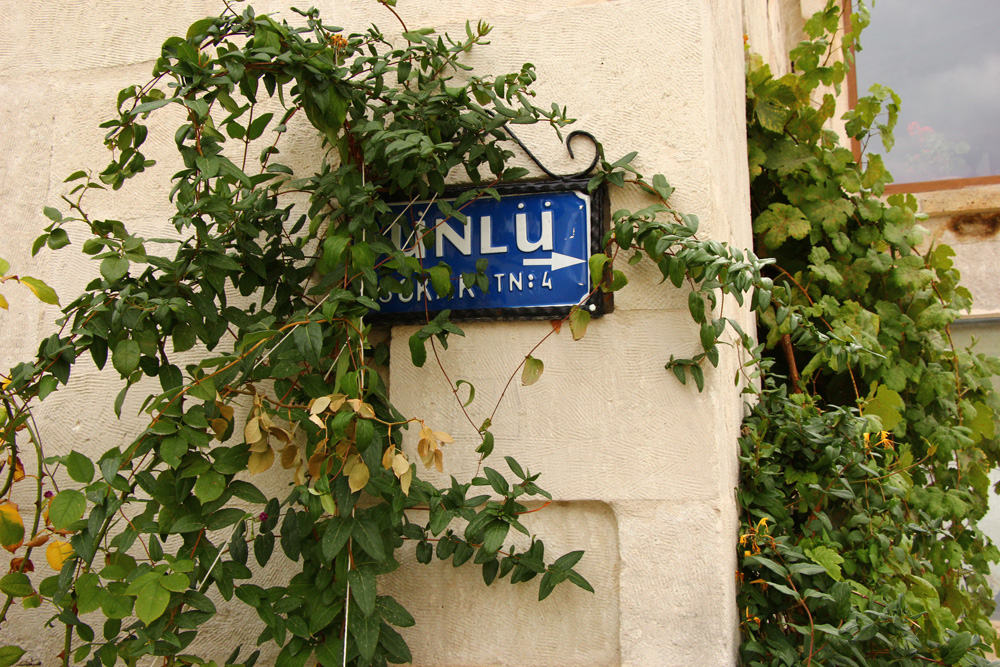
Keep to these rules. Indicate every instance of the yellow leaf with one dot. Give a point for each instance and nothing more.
(38, 540)
(319, 405)
(336, 401)
(439, 460)
(44, 293)
(342, 448)
(362, 408)
(443, 437)
(315, 461)
(400, 465)
(251, 432)
(328, 503)
(57, 552)
(404, 481)
(260, 461)
(426, 432)
(387, 457)
(578, 321)
(280, 434)
(219, 426)
(315, 419)
(532, 371)
(225, 410)
(426, 448)
(3, 302)
(18, 469)
(289, 455)
(260, 446)
(350, 462)
(11, 526)
(358, 477)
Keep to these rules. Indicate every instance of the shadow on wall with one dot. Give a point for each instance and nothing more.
(505, 625)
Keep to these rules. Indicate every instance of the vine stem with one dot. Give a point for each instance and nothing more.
(38, 513)
(67, 643)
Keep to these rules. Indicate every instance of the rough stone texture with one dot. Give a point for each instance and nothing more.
(643, 468)
(967, 219)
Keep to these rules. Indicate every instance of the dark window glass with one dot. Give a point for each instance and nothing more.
(943, 59)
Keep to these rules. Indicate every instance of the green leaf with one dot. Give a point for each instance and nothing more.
(392, 612)
(52, 214)
(486, 446)
(337, 532)
(114, 268)
(199, 28)
(771, 115)
(956, 648)
(146, 107)
(4, 266)
(9, 655)
(779, 223)
(494, 535)
(172, 448)
(11, 525)
(983, 425)
(368, 536)
(365, 630)
(532, 371)
(886, 404)
(362, 583)
(79, 467)
(418, 351)
(309, 341)
(58, 239)
(472, 392)
(696, 304)
(828, 558)
(44, 293)
(546, 585)
(579, 318)
(125, 357)
(67, 508)
(16, 584)
(151, 601)
(177, 582)
(247, 491)
(209, 486)
(203, 389)
(597, 263)
(117, 606)
(441, 280)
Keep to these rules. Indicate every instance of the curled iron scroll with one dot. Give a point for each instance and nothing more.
(569, 149)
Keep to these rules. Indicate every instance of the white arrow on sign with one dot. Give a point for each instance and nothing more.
(556, 261)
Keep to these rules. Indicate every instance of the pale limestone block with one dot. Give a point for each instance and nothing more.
(461, 622)
(606, 423)
(681, 556)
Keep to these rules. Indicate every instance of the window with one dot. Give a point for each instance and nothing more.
(943, 59)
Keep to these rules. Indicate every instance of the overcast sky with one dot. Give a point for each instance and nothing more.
(943, 58)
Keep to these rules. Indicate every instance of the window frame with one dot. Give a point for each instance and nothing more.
(909, 186)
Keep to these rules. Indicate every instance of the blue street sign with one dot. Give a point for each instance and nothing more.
(537, 246)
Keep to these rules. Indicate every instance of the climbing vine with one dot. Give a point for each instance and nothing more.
(249, 332)
(864, 457)
(865, 462)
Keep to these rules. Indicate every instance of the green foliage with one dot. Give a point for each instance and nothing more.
(255, 300)
(865, 457)
(865, 462)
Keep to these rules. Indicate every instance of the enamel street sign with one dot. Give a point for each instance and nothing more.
(536, 242)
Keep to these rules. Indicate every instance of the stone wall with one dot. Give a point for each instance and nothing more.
(643, 469)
